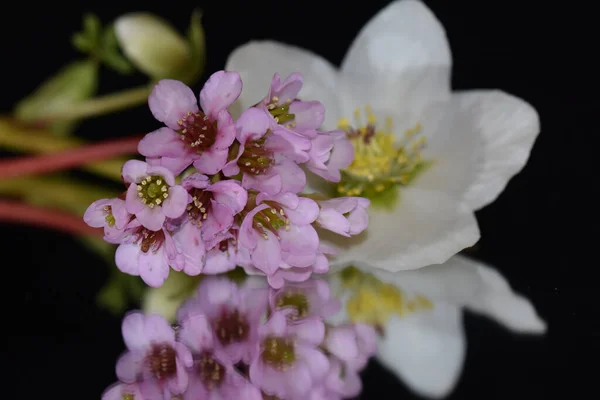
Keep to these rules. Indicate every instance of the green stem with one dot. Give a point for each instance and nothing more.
(100, 105)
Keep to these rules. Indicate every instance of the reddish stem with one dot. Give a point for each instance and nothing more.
(12, 211)
(68, 158)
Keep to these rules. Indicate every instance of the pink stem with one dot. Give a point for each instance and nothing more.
(12, 211)
(68, 158)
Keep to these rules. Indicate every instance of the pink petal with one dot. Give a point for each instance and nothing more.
(170, 100)
(167, 175)
(175, 165)
(189, 241)
(317, 362)
(184, 354)
(292, 177)
(310, 330)
(163, 142)
(129, 366)
(151, 218)
(126, 258)
(332, 220)
(219, 220)
(133, 204)
(308, 115)
(267, 254)
(225, 130)
(179, 382)
(305, 213)
(288, 89)
(211, 161)
(95, 215)
(252, 125)
(220, 91)
(134, 171)
(270, 184)
(341, 342)
(300, 239)
(176, 203)
(133, 331)
(158, 329)
(247, 236)
(153, 267)
(196, 333)
(230, 193)
(197, 181)
(218, 261)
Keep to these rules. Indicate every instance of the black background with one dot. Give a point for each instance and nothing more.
(541, 232)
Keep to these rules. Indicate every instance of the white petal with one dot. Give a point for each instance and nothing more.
(404, 53)
(508, 127)
(258, 61)
(465, 282)
(425, 228)
(425, 349)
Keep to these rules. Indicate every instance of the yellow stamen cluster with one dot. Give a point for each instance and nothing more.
(210, 371)
(294, 299)
(281, 112)
(380, 160)
(374, 302)
(279, 352)
(109, 218)
(152, 190)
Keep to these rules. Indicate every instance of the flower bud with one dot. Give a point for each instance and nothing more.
(153, 46)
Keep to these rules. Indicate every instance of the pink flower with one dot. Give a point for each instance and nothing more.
(110, 214)
(153, 355)
(213, 205)
(346, 216)
(152, 194)
(341, 382)
(302, 117)
(309, 298)
(225, 254)
(230, 313)
(330, 152)
(278, 232)
(214, 377)
(147, 254)
(265, 157)
(354, 344)
(289, 363)
(120, 391)
(201, 137)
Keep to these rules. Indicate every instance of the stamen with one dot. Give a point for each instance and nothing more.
(256, 159)
(278, 352)
(150, 189)
(197, 131)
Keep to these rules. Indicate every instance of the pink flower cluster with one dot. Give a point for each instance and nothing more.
(239, 198)
(244, 342)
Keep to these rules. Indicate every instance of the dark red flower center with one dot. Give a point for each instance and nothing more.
(210, 371)
(198, 131)
(231, 327)
(200, 206)
(162, 361)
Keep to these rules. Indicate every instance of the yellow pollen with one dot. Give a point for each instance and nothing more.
(374, 302)
(381, 159)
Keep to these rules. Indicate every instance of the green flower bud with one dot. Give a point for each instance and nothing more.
(154, 47)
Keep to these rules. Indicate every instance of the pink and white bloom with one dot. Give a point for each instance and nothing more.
(110, 214)
(152, 195)
(153, 355)
(193, 135)
(400, 65)
(289, 363)
(265, 157)
(278, 232)
(346, 216)
(147, 254)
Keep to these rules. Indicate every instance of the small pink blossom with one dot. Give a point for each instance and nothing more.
(110, 214)
(311, 297)
(330, 152)
(153, 353)
(147, 254)
(201, 137)
(289, 363)
(353, 344)
(152, 195)
(232, 314)
(346, 216)
(278, 233)
(265, 158)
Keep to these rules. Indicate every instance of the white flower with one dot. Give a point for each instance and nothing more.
(420, 311)
(400, 66)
